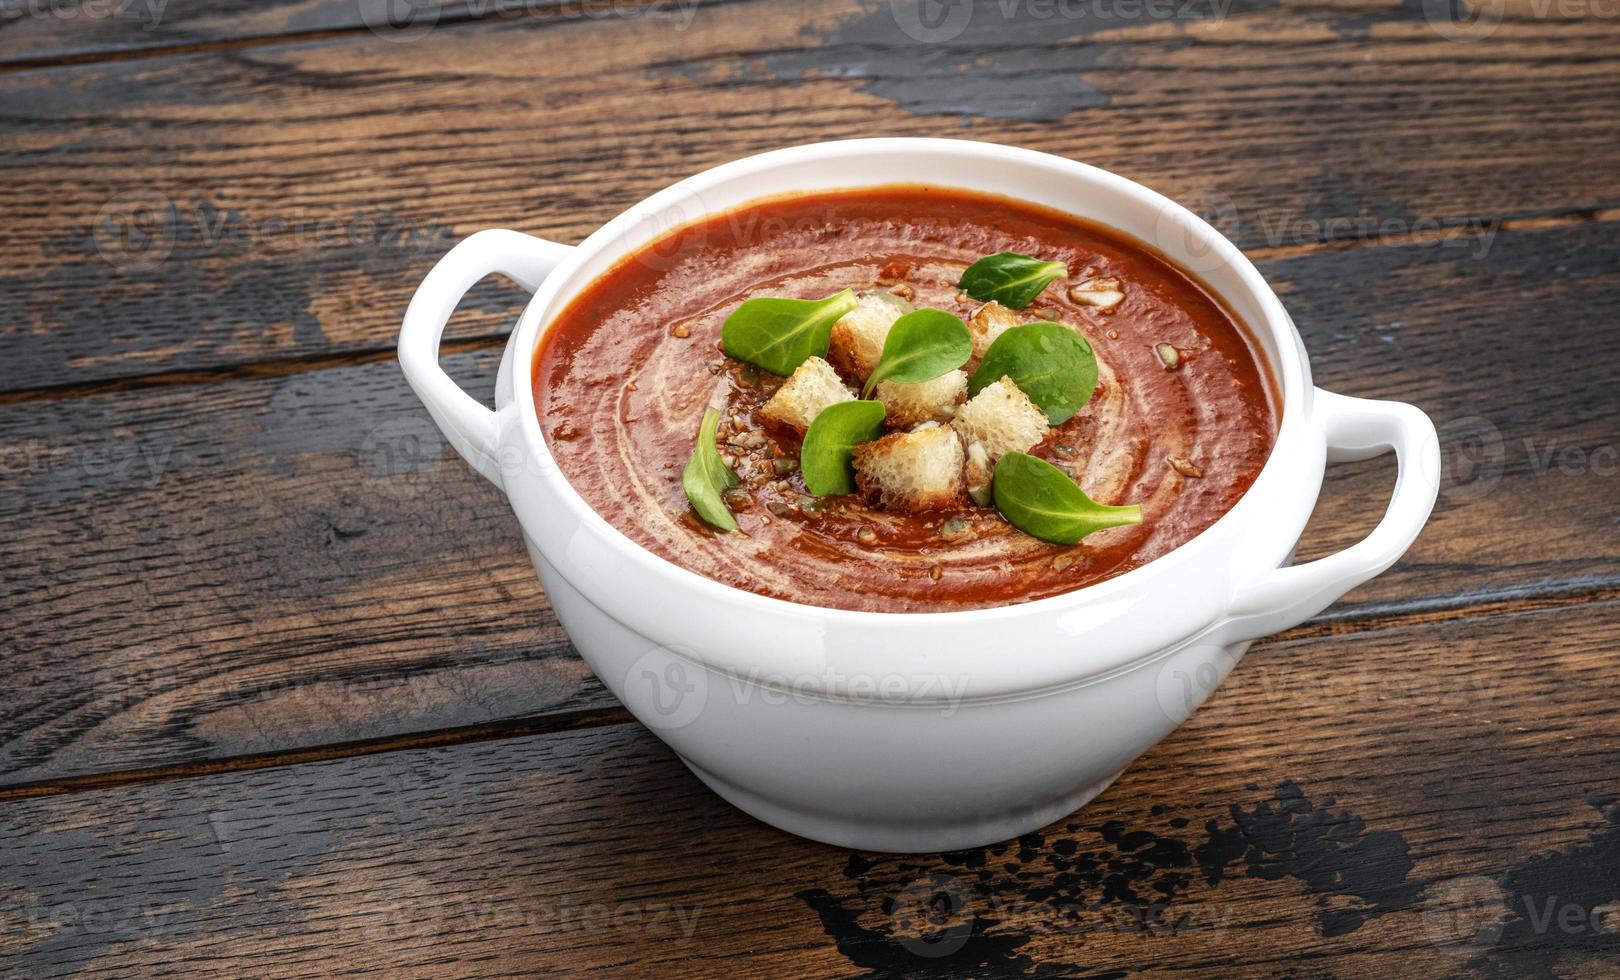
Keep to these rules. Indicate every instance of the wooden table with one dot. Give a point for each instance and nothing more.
(284, 697)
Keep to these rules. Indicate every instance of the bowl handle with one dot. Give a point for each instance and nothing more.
(1355, 429)
(468, 425)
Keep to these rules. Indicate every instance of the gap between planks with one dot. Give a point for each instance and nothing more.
(1377, 618)
(300, 364)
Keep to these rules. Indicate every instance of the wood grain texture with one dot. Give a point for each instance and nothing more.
(35, 33)
(266, 565)
(237, 553)
(1407, 802)
(279, 203)
(43, 33)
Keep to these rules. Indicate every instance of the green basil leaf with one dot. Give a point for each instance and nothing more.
(921, 346)
(778, 334)
(1010, 279)
(833, 435)
(706, 475)
(1049, 362)
(1040, 500)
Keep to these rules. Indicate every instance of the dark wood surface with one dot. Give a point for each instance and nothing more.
(282, 706)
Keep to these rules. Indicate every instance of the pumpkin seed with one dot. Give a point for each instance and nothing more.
(1185, 466)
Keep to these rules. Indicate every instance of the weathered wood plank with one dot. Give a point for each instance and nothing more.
(1412, 802)
(215, 544)
(202, 571)
(45, 32)
(281, 202)
(41, 32)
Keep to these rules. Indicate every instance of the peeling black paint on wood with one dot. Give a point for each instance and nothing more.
(431, 858)
(975, 910)
(1558, 908)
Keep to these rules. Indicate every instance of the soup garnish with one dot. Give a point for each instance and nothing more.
(889, 502)
(707, 477)
(921, 346)
(1031, 376)
(1010, 279)
(778, 334)
(1051, 363)
(1041, 500)
(829, 445)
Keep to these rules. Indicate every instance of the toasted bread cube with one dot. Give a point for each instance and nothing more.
(989, 322)
(979, 474)
(811, 387)
(912, 471)
(858, 336)
(906, 405)
(1002, 419)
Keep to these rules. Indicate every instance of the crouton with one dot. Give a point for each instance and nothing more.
(1103, 293)
(1002, 419)
(989, 322)
(811, 387)
(912, 471)
(979, 474)
(858, 336)
(906, 405)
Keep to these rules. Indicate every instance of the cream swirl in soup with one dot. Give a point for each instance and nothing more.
(1181, 421)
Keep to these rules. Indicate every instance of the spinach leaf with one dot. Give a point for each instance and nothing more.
(707, 475)
(921, 346)
(1040, 500)
(1010, 279)
(831, 438)
(778, 334)
(1049, 362)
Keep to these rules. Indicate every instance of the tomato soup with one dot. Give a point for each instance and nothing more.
(1181, 421)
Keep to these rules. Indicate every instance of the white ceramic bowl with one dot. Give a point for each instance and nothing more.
(918, 731)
